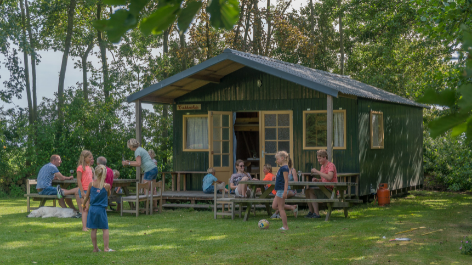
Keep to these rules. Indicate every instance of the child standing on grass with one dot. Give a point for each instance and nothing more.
(281, 187)
(84, 178)
(98, 192)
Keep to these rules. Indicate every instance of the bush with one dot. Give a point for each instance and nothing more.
(447, 162)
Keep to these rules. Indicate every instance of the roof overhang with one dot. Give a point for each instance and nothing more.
(212, 71)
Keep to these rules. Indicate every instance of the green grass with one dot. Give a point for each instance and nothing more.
(184, 236)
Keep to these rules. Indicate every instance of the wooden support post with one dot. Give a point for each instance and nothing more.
(139, 126)
(329, 106)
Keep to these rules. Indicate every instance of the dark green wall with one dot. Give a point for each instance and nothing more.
(400, 163)
(239, 92)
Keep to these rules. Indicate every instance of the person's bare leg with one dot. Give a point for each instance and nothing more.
(106, 237)
(70, 204)
(61, 203)
(242, 188)
(283, 215)
(274, 204)
(94, 240)
(309, 193)
(315, 206)
(84, 219)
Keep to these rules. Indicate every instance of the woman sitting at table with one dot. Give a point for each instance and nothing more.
(240, 190)
(292, 176)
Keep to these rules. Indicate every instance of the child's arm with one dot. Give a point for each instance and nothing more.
(284, 196)
(87, 196)
(108, 189)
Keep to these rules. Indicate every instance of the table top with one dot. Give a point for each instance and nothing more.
(191, 172)
(298, 183)
(114, 181)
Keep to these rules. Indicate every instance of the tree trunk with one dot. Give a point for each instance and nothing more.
(103, 55)
(341, 44)
(182, 47)
(312, 34)
(241, 16)
(84, 69)
(25, 57)
(65, 56)
(255, 27)
(33, 62)
(269, 29)
(246, 31)
(207, 32)
(165, 132)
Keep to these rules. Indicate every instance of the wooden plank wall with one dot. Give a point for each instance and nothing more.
(239, 92)
(400, 163)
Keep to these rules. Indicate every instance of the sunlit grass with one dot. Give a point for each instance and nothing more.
(189, 237)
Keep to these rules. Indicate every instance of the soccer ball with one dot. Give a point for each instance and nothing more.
(263, 224)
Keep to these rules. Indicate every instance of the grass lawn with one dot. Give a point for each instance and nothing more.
(184, 236)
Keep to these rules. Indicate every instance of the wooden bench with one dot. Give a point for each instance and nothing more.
(333, 201)
(41, 198)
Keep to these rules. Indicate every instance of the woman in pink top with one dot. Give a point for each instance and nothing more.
(84, 177)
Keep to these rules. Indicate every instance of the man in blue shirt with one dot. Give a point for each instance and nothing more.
(47, 174)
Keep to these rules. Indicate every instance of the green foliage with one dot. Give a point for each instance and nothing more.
(224, 14)
(466, 246)
(447, 161)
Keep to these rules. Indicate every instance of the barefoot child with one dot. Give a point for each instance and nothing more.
(98, 192)
(281, 187)
(84, 178)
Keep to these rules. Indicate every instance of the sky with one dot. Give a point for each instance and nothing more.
(47, 72)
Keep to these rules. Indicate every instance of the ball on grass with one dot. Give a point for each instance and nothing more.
(263, 224)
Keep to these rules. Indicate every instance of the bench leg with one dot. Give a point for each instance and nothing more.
(248, 211)
(269, 209)
(346, 212)
(28, 204)
(328, 214)
(42, 203)
(233, 210)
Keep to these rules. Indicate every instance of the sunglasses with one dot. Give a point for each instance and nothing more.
(241, 166)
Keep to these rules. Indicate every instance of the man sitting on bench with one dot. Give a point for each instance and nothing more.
(45, 176)
(328, 174)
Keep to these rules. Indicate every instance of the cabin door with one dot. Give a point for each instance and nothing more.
(221, 143)
(276, 134)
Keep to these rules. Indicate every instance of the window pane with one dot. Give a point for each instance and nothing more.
(338, 123)
(284, 134)
(196, 134)
(316, 134)
(375, 130)
(225, 122)
(217, 160)
(271, 147)
(225, 147)
(270, 159)
(216, 133)
(225, 133)
(284, 120)
(217, 120)
(270, 134)
(269, 120)
(284, 146)
(216, 147)
(225, 159)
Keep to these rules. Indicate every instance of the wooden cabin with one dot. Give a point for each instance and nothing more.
(243, 106)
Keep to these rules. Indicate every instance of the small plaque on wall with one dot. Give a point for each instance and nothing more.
(189, 107)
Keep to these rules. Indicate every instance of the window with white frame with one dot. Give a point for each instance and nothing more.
(195, 132)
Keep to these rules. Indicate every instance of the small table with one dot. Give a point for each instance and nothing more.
(338, 186)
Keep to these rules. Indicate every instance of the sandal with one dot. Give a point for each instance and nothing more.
(282, 228)
(110, 250)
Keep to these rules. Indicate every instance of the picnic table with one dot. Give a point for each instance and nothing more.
(332, 201)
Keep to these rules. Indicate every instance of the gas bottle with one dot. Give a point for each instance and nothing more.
(383, 194)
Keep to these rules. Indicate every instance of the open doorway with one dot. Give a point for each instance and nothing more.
(246, 130)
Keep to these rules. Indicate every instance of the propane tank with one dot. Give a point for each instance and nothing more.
(383, 194)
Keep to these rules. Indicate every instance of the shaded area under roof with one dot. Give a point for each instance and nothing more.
(214, 69)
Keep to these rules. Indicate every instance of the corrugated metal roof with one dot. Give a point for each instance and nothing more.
(325, 82)
(341, 83)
